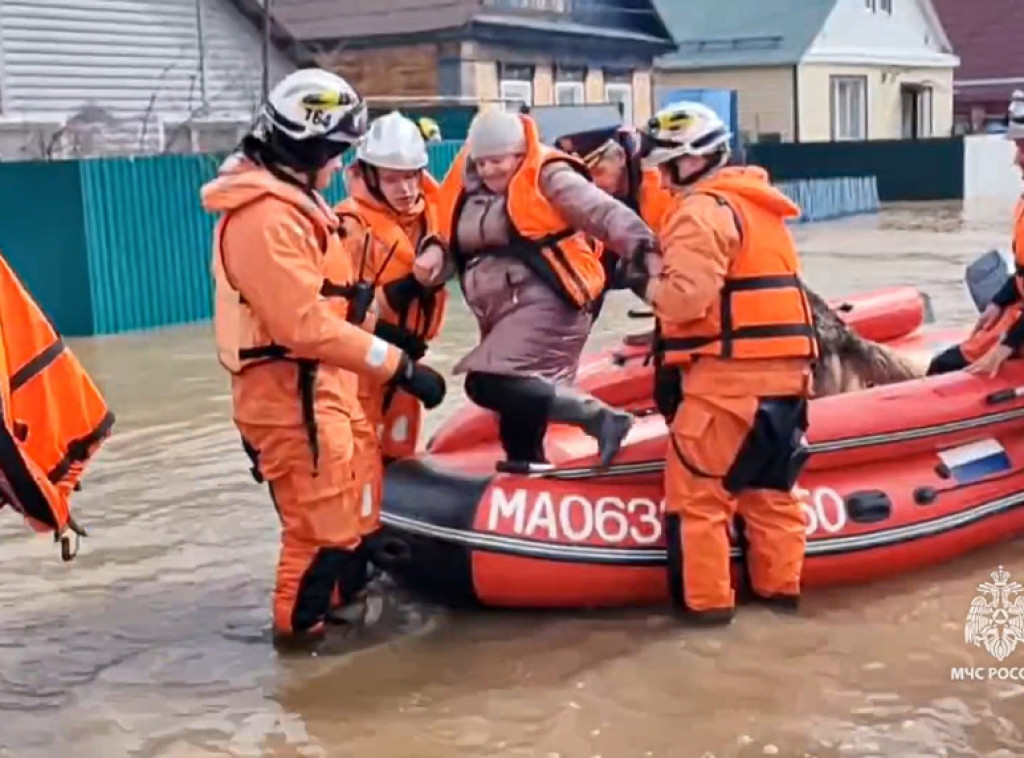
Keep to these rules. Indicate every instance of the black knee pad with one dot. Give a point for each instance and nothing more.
(314, 596)
(674, 561)
(774, 451)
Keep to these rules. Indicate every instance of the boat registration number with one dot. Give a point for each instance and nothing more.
(568, 517)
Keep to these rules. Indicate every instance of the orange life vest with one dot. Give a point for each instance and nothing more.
(1018, 245)
(564, 258)
(54, 417)
(979, 343)
(763, 311)
(242, 339)
(654, 200)
(424, 317)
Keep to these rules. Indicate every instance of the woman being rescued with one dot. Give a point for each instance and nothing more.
(521, 218)
(391, 215)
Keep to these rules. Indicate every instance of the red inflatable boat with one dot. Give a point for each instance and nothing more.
(900, 477)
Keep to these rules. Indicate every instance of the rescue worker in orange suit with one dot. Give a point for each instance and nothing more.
(999, 332)
(293, 328)
(54, 417)
(391, 216)
(522, 218)
(735, 345)
(613, 157)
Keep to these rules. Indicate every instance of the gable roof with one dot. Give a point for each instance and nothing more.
(731, 33)
(323, 20)
(309, 20)
(986, 34)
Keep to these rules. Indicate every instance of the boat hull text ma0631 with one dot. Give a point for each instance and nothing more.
(900, 477)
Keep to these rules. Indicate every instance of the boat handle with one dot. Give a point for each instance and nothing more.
(1004, 396)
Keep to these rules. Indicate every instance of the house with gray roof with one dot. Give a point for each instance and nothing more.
(537, 52)
(814, 70)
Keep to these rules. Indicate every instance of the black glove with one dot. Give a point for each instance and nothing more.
(360, 298)
(668, 390)
(422, 382)
(633, 273)
(401, 338)
(401, 292)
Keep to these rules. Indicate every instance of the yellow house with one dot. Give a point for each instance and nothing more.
(814, 70)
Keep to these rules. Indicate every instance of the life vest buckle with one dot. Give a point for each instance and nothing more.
(68, 554)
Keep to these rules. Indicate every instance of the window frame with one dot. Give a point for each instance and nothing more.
(505, 87)
(835, 87)
(627, 89)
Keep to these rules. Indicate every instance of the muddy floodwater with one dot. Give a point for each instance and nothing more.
(155, 642)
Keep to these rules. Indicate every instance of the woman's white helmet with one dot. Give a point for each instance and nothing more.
(1015, 117)
(685, 128)
(313, 104)
(394, 142)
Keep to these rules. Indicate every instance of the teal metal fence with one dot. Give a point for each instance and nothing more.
(116, 245)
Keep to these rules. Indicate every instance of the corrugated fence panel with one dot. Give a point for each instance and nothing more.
(821, 199)
(149, 241)
(134, 230)
(923, 169)
(42, 236)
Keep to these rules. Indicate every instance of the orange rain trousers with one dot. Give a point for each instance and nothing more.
(709, 429)
(319, 514)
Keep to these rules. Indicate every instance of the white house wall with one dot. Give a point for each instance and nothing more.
(129, 57)
(853, 34)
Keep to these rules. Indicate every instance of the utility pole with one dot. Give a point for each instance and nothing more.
(266, 47)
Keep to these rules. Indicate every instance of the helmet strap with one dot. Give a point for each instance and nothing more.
(715, 161)
(269, 157)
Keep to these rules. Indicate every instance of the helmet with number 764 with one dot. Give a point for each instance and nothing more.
(685, 128)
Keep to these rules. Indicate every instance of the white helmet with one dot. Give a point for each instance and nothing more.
(393, 142)
(1015, 117)
(313, 104)
(685, 128)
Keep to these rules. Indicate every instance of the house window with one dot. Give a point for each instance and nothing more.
(849, 108)
(568, 93)
(569, 85)
(885, 6)
(618, 88)
(516, 94)
(616, 92)
(515, 86)
(916, 111)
